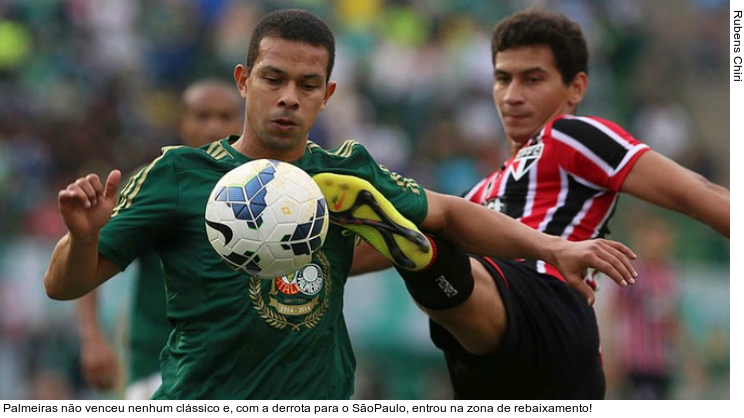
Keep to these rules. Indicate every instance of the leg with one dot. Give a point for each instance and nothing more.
(480, 322)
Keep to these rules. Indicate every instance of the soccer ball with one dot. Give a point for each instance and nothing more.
(266, 218)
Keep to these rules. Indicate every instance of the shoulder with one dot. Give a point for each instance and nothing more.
(576, 130)
(347, 149)
(184, 157)
(350, 152)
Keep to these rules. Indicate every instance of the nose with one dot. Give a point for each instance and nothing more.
(514, 94)
(289, 98)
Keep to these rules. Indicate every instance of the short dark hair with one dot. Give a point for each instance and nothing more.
(293, 25)
(537, 27)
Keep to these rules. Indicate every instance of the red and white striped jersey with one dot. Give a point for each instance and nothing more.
(565, 181)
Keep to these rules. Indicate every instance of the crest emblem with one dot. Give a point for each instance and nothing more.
(298, 300)
(525, 159)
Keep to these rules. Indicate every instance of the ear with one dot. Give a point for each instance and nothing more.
(330, 89)
(577, 89)
(240, 74)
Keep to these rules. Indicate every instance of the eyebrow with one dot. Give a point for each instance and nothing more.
(527, 71)
(269, 68)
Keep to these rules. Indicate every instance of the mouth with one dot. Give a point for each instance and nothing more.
(284, 124)
(284, 121)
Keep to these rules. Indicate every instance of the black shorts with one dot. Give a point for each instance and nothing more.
(550, 349)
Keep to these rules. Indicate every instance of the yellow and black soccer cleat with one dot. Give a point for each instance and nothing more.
(356, 205)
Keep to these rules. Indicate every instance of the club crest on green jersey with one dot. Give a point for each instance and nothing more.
(296, 301)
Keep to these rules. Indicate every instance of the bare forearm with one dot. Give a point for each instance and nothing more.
(87, 309)
(482, 231)
(715, 210)
(72, 269)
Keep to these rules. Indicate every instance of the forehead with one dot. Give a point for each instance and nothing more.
(514, 60)
(291, 57)
(212, 98)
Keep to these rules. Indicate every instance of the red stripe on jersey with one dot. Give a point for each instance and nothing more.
(589, 169)
(496, 266)
(593, 219)
(551, 270)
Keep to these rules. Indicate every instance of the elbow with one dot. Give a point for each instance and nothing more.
(53, 290)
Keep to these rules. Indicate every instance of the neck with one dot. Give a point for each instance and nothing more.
(255, 149)
(514, 146)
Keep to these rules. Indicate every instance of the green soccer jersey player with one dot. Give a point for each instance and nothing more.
(239, 337)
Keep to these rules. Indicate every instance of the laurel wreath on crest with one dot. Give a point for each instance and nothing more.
(279, 321)
(274, 319)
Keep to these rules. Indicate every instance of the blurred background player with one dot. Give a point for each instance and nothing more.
(644, 318)
(211, 110)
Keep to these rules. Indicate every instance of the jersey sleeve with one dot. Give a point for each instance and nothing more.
(595, 150)
(146, 208)
(404, 193)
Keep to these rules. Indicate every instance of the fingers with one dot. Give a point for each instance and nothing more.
(112, 184)
(584, 289)
(624, 255)
(620, 247)
(77, 192)
(89, 189)
(95, 182)
(613, 267)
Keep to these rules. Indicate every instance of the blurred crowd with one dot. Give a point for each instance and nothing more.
(91, 85)
(87, 85)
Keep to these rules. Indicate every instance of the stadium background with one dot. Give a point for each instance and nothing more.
(87, 85)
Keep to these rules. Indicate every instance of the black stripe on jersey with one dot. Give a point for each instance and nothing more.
(577, 195)
(597, 141)
(604, 230)
(515, 195)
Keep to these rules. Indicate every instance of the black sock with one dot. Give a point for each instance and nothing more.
(447, 282)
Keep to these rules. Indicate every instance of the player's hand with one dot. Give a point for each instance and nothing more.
(609, 257)
(99, 365)
(86, 204)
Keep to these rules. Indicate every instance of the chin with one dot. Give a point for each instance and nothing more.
(280, 143)
(519, 137)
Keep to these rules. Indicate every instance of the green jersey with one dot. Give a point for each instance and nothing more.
(148, 325)
(236, 336)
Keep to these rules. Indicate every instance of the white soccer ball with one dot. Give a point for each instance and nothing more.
(266, 218)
